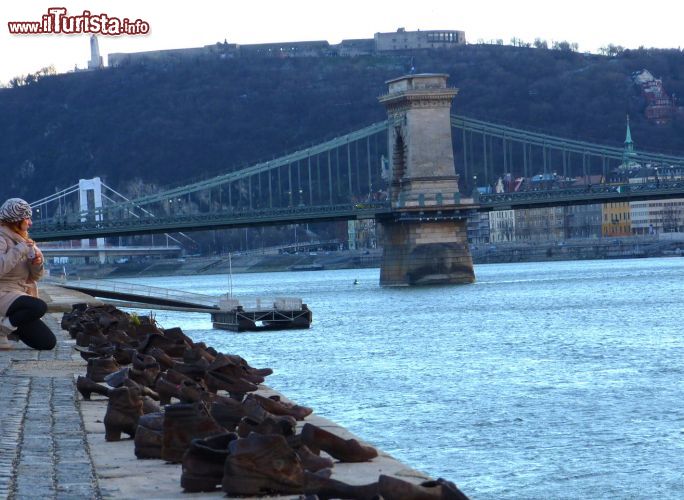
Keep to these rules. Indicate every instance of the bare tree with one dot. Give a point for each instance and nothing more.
(612, 50)
(671, 217)
(564, 46)
(540, 44)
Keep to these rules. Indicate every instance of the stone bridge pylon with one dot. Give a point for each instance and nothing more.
(425, 242)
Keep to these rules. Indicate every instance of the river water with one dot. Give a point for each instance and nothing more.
(542, 380)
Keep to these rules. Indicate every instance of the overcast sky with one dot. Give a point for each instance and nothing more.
(174, 24)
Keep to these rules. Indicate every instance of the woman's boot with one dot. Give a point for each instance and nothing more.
(86, 387)
(204, 461)
(392, 488)
(150, 405)
(218, 382)
(95, 351)
(123, 354)
(344, 450)
(195, 354)
(145, 370)
(169, 346)
(90, 333)
(177, 335)
(148, 435)
(260, 464)
(227, 412)
(73, 316)
(185, 390)
(325, 488)
(166, 390)
(231, 364)
(117, 378)
(274, 405)
(183, 423)
(119, 337)
(283, 426)
(99, 368)
(145, 391)
(311, 461)
(165, 361)
(225, 366)
(123, 411)
(253, 410)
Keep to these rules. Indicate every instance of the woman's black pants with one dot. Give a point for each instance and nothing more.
(25, 313)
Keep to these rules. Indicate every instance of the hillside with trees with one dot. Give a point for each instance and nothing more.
(143, 127)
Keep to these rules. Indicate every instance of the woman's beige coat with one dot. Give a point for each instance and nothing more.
(17, 275)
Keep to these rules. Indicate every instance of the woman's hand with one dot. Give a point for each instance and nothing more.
(37, 259)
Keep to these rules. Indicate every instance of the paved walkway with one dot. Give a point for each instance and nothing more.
(52, 444)
(43, 449)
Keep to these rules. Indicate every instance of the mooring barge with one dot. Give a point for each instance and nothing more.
(242, 315)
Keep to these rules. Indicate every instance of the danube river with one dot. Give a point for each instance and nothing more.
(542, 380)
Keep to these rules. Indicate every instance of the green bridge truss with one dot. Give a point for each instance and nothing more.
(343, 178)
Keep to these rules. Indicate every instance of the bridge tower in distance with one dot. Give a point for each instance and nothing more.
(421, 245)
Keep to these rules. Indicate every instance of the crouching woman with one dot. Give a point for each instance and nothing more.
(21, 266)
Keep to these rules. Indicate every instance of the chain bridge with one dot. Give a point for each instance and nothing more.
(420, 173)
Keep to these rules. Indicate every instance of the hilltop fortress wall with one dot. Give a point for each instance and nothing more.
(380, 43)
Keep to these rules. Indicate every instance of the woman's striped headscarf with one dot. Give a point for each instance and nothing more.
(15, 210)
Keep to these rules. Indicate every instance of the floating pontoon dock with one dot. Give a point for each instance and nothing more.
(261, 314)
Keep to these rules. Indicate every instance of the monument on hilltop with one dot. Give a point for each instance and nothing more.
(95, 61)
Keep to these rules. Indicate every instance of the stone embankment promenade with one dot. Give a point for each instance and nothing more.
(52, 443)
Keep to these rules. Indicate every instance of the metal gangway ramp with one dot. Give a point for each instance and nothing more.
(143, 294)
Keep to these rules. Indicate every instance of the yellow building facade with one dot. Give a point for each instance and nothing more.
(616, 220)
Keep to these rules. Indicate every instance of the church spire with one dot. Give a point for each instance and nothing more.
(628, 152)
(628, 137)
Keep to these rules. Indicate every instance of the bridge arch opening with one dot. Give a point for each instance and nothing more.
(398, 156)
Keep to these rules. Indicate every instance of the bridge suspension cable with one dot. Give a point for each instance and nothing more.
(259, 168)
(55, 196)
(545, 140)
